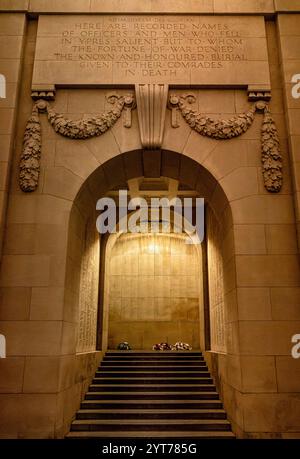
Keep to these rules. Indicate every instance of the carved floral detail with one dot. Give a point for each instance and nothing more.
(271, 156)
(74, 129)
(97, 125)
(217, 129)
(87, 127)
(30, 159)
(233, 127)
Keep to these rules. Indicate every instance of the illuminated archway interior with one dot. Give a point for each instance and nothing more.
(154, 290)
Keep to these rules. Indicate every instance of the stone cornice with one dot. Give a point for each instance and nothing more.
(267, 7)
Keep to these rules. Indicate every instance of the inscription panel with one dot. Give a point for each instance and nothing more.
(129, 49)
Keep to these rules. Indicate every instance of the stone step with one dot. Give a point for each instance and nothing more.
(151, 380)
(152, 373)
(150, 394)
(146, 425)
(194, 435)
(149, 358)
(153, 396)
(151, 353)
(152, 387)
(150, 404)
(153, 364)
(137, 414)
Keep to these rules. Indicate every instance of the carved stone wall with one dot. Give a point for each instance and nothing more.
(153, 291)
(225, 129)
(85, 128)
(259, 379)
(151, 102)
(88, 293)
(130, 49)
(216, 285)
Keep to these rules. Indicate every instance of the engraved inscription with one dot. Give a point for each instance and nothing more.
(152, 45)
(158, 49)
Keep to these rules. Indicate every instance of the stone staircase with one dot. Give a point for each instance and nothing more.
(139, 394)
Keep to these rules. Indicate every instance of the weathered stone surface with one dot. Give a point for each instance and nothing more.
(50, 269)
(146, 302)
(286, 5)
(151, 49)
(151, 105)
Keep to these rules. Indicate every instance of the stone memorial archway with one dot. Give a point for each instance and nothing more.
(212, 119)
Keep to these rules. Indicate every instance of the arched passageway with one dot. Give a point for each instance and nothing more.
(125, 290)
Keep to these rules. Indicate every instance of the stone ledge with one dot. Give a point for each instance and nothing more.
(244, 6)
(291, 6)
(14, 5)
(153, 6)
(150, 6)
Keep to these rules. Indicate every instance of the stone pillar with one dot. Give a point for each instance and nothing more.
(289, 40)
(12, 30)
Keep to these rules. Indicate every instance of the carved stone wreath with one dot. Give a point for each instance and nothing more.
(233, 127)
(79, 129)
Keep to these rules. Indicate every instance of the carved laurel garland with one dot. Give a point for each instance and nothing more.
(97, 125)
(233, 127)
(31, 154)
(74, 129)
(271, 156)
(86, 127)
(217, 129)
